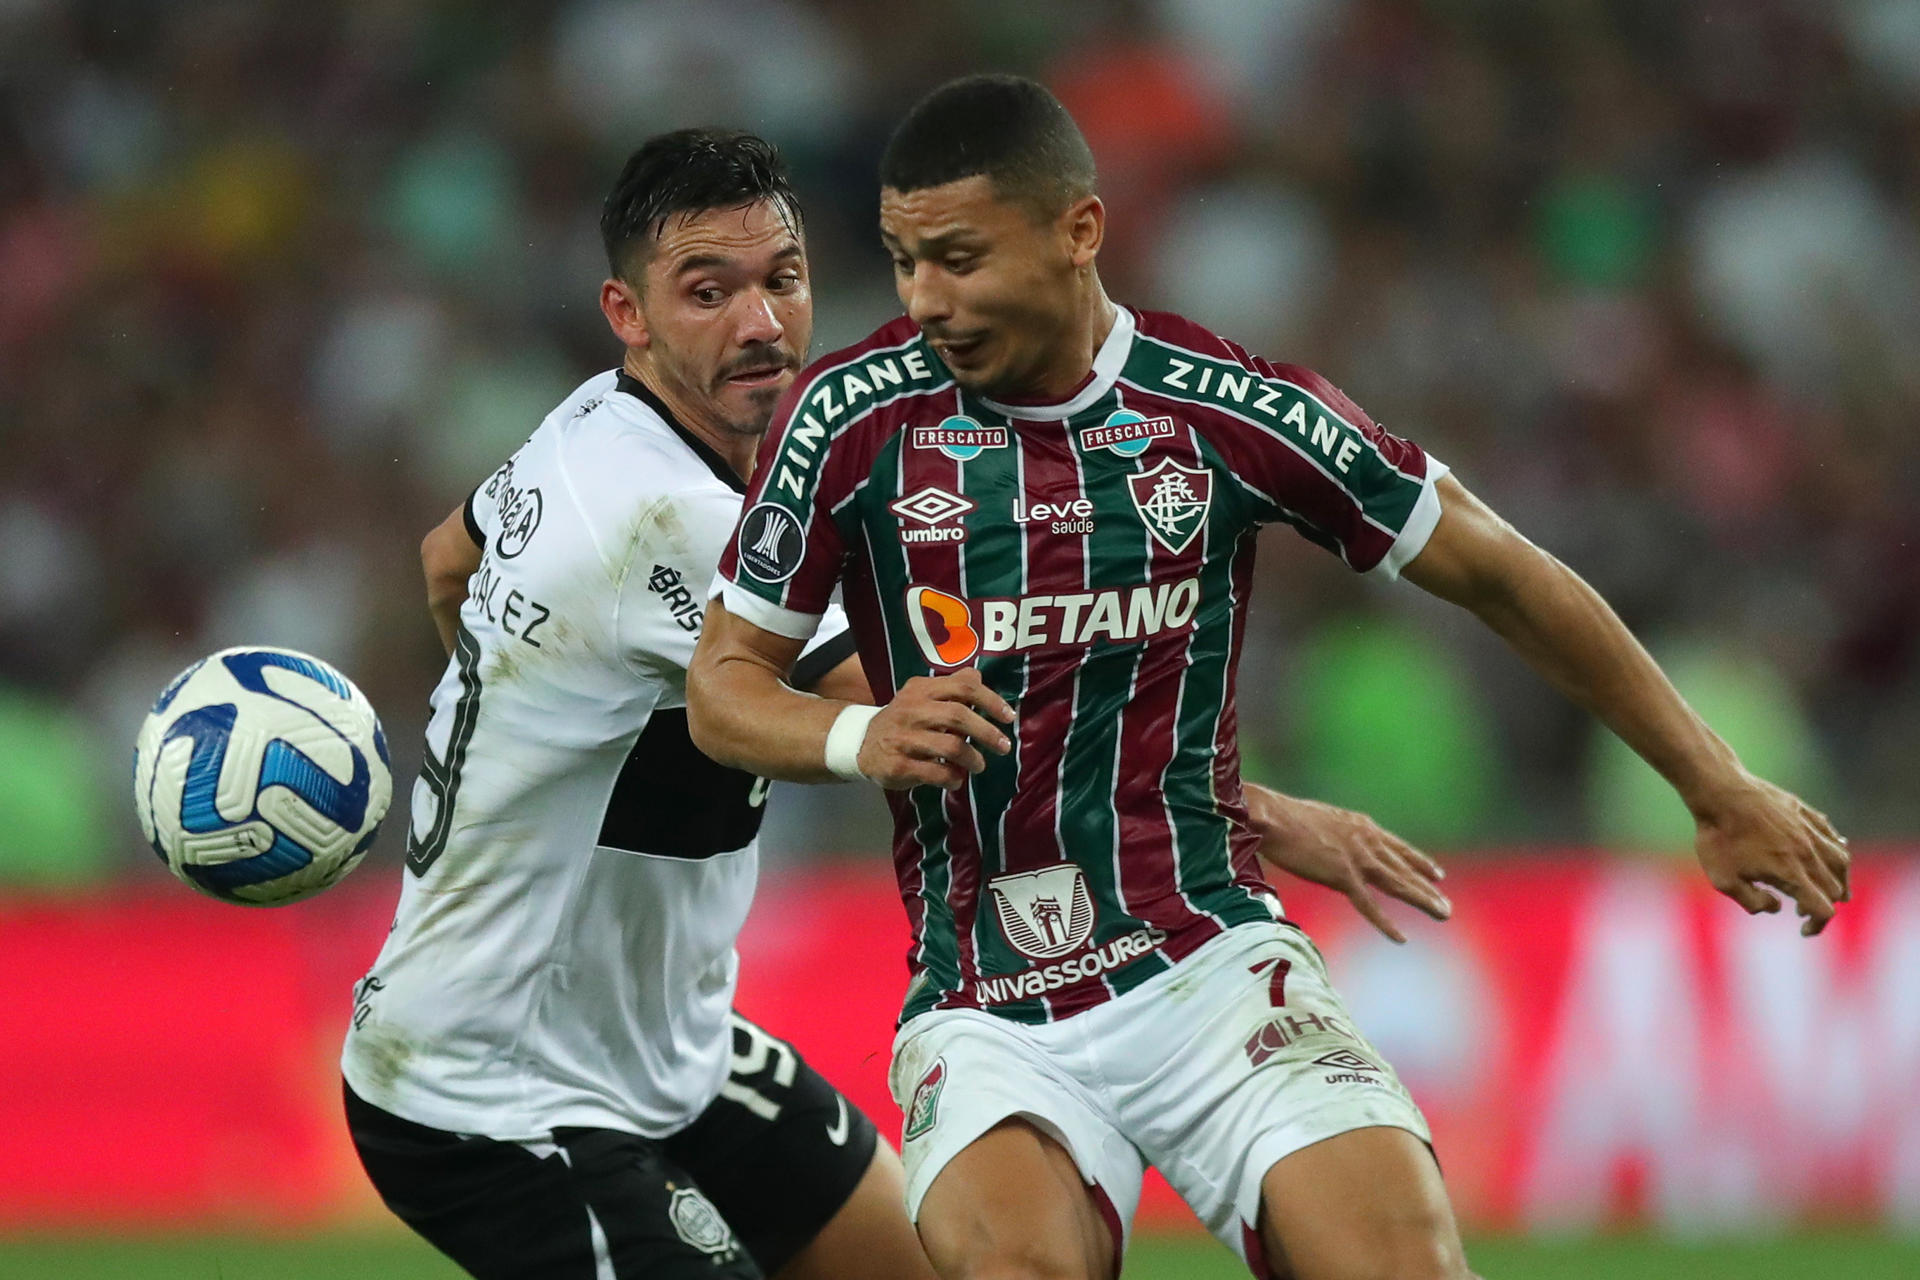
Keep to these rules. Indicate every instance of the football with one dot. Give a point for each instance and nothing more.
(261, 775)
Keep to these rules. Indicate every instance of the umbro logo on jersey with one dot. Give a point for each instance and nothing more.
(931, 509)
(931, 506)
(1126, 433)
(1173, 500)
(959, 437)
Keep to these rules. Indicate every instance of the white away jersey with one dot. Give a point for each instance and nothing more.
(576, 870)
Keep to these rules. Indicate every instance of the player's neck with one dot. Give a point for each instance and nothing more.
(738, 450)
(1072, 365)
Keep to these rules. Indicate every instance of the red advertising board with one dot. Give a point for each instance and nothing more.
(1594, 1040)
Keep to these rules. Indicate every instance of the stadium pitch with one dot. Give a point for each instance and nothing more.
(1856, 1255)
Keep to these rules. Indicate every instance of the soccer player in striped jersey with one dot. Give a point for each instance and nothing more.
(1042, 508)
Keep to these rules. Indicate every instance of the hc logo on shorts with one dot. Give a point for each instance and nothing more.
(1045, 913)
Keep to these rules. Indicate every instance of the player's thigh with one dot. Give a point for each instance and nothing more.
(590, 1205)
(1362, 1204)
(1013, 1205)
(1013, 1166)
(1269, 1064)
(790, 1161)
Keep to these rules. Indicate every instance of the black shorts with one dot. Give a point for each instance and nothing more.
(737, 1193)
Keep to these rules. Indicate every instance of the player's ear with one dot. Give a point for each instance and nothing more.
(1085, 226)
(620, 304)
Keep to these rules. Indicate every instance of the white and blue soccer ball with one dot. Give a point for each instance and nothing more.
(261, 775)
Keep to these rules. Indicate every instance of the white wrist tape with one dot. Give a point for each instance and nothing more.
(849, 731)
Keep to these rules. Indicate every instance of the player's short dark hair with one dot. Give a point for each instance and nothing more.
(689, 171)
(1007, 127)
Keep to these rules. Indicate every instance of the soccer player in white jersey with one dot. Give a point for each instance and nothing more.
(543, 1074)
(1035, 498)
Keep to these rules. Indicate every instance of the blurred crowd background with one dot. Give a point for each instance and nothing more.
(280, 282)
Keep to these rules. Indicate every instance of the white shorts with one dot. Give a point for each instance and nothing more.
(1211, 1072)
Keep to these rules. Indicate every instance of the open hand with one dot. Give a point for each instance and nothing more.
(1347, 852)
(1762, 837)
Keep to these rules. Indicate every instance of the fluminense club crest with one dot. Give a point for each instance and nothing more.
(1173, 501)
(925, 1107)
(1045, 913)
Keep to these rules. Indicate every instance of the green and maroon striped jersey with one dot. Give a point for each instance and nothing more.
(1091, 559)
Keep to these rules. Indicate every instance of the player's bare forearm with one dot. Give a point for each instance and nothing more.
(448, 558)
(740, 712)
(1751, 833)
(1566, 632)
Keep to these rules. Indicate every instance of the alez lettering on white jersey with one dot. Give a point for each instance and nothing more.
(1047, 913)
(1173, 500)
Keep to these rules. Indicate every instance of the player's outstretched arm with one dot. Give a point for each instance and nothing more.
(1347, 852)
(448, 557)
(1751, 834)
(742, 714)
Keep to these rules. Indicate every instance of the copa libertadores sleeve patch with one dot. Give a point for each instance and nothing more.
(772, 543)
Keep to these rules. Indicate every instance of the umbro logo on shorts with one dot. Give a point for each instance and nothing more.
(1345, 1059)
(1354, 1069)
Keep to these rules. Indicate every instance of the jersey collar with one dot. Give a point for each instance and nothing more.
(705, 452)
(1107, 363)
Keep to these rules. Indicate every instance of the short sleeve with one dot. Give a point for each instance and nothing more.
(482, 511)
(780, 568)
(1311, 458)
(472, 521)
